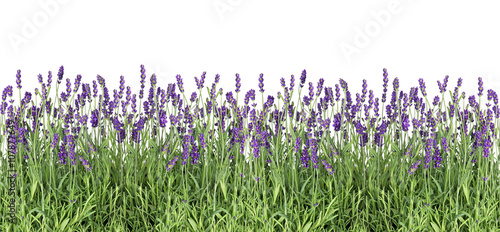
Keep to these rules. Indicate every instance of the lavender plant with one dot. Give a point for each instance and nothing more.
(326, 162)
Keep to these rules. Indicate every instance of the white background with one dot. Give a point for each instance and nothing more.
(418, 39)
(353, 40)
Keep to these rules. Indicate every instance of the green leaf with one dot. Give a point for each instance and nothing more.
(63, 224)
(437, 184)
(305, 184)
(193, 224)
(307, 226)
(435, 227)
(466, 191)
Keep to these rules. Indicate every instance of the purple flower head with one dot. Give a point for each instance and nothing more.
(337, 92)
(153, 81)
(68, 86)
(60, 75)
(40, 78)
(129, 92)
(94, 86)
(261, 83)
(364, 90)
(255, 146)
(282, 82)
(297, 145)
(171, 164)
(217, 78)
(311, 90)
(455, 96)
(395, 84)
(249, 95)
(54, 142)
(486, 148)
(18, 81)
(445, 82)
(436, 100)
(320, 86)
(202, 141)
(179, 83)
(122, 85)
(303, 78)
(414, 167)
(202, 81)
(77, 83)
(480, 88)
(238, 83)
(422, 86)
(445, 145)
(49, 79)
(212, 92)
(193, 97)
(459, 83)
(328, 167)
(292, 82)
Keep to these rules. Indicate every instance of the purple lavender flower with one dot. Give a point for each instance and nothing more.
(437, 158)
(428, 151)
(320, 86)
(77, 83)
(60, 75)
(122, 85)
(395, 84)
(292, 82)
(202, 81)
(193, 97)
(436, 100)
(445, 82)
(480, 88)
(311, 91)
(261, 83)
(49, 79)
(303, 78)
(212, 92)
(422, 86)
(202, 141)
(68, 86)
(18, 81)
(171, 163)
(445, 145)
(455, 96)
(54, 142)
(179, 83)
(282, 82)
(217, 78)
(238, 83)
(486, 148)
(314, 153)
(85, 164)
(364, 90)
(249, 95)
(255, 146)
(459, 83)
(305, 157)
(414, 167)
(386, 80)
(71, 149)
(40, 78)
